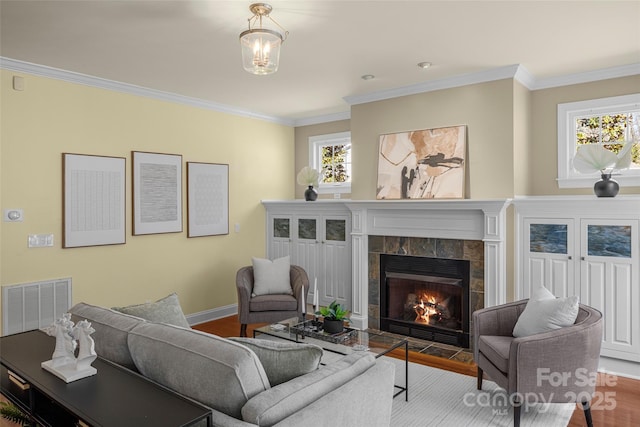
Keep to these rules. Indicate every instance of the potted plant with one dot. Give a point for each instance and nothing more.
(11, 412)
(333, 317)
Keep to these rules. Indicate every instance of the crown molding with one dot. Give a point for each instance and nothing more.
(589, 76)
(506, 72)
(517, 72)
(335, 117)
(83, 79)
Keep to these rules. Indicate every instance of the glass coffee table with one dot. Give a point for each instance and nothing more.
(348, 342)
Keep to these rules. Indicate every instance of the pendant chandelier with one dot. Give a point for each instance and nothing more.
(261, 46)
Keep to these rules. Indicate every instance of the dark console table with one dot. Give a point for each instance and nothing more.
(115, 396)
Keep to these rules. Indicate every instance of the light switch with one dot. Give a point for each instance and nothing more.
(237, 228)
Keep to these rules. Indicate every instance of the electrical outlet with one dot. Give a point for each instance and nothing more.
(40, 240)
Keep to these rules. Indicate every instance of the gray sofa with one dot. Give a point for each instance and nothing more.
(228, 376)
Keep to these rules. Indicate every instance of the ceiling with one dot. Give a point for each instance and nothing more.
(191, 48)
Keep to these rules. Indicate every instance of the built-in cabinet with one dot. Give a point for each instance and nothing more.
(317, 237)
(588, 247)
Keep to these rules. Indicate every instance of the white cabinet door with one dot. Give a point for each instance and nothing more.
(317, 237)
(600, 264)
(336, 261)
(548, 250)
(608, 270)
(279, 237)
(306, 245)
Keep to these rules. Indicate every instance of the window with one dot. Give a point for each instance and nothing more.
(331, 155)
(610, 122)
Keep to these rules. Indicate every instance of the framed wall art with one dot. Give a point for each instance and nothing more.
(93, 200)
(157, 193)
(422, 164)
(207, 199)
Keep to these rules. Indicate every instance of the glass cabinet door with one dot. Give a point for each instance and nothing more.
(335, 230)
(307, 229)
(282, 228)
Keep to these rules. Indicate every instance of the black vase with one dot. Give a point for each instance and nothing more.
(310, 194)
(606, 187)
(332, 326)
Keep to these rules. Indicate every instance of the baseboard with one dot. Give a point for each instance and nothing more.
(213, 314)
(622, 368)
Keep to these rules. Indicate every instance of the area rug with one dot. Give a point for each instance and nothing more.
(446, 399)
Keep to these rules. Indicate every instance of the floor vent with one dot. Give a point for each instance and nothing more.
(34, 305)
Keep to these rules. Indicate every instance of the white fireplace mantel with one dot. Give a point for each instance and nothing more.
(447, 219)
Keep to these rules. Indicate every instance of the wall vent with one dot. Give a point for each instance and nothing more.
(34, 305)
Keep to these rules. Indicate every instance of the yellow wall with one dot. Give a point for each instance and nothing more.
(52, 117)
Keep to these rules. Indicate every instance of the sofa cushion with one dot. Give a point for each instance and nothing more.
(283, 361)
(111, 330)
(271, 277)
(165, 310)
(272, 406)
(217, 372)
(544, 312)
(496, 348)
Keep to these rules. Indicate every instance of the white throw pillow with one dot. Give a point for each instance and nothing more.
(544, 312)
(271, 277)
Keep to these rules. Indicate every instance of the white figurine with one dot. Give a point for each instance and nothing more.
(87, 353)
(65, 344)
(63, 363)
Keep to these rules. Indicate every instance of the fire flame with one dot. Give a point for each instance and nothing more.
(424, 311)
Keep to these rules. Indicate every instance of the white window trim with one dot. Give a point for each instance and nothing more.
(314, 160)
(567, 113)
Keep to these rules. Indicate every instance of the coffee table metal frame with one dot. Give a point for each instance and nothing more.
(353, 344)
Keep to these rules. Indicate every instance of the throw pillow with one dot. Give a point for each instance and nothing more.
(283, 361)
(271, 277)
(544, 312)
(165, 310)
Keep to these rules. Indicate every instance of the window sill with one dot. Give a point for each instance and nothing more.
(588, 181)
(331, 189)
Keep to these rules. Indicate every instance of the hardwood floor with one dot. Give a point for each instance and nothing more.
(616, 404)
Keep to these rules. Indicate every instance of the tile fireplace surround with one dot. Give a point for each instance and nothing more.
(463, 229)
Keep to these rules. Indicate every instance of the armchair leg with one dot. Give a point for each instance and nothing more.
(516, 413)
(586, 407)
(243, 330)
(480, 373)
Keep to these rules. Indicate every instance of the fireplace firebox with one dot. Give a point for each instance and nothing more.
(426, 298)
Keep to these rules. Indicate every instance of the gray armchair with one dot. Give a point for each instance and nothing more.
(269, 308)
(531, 364)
